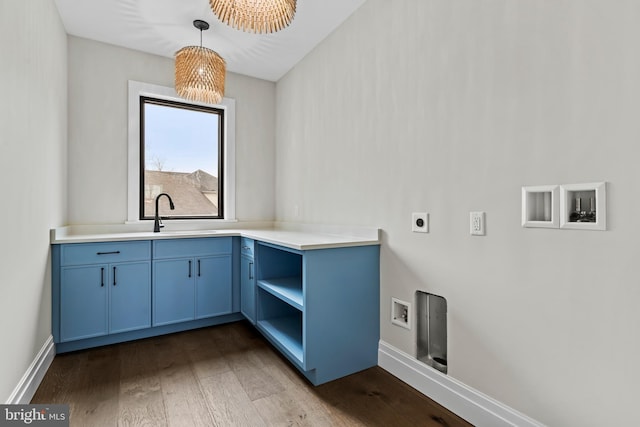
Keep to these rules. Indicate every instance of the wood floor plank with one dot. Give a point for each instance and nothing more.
(257, 383)
(406, 400)
(374, 397)
(94, 399)
(183, 400)
(228, 403)
(140, 401)
(242, 352)
(206, 360)
(287, 409)
(224, 375)
(61, 379)
(357, 405)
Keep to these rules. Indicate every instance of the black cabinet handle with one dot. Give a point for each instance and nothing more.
(114, 276)
(108, 253)
(198, 268)
(251, 270)
(189, 268)
(101, 276)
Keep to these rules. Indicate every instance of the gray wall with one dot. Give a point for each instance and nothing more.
(452, 106)
(33, 170)
(98, 75)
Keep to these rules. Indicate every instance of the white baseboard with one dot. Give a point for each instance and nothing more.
(472, 405)
(26, 388)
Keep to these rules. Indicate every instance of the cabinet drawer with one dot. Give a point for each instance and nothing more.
(246, 246)
(107, 252)
(178, 248)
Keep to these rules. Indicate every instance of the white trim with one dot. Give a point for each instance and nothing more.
(137, 89)
(600, 189)
(472, 405)
(229, 159)
(554, 208)
(26, 388)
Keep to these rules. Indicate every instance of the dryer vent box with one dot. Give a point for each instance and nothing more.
(432, 330)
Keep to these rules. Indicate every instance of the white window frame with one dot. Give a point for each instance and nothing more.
(138, 89)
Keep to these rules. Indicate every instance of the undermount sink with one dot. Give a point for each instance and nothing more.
(188, 232)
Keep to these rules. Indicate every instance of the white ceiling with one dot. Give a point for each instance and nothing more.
(162, 27)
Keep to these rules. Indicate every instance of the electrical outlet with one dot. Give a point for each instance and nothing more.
(420, 222)
(400, 313)
(476, 223)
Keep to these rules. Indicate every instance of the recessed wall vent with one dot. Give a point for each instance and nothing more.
(432, 330)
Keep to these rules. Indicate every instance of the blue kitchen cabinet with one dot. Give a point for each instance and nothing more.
(247, 280)
(213, 286)
(192, 279)
(129, 296)
(320, 307)
(97, 299)
(173, 291)
(109, 292)
(84, 303)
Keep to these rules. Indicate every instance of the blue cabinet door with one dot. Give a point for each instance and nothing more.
(83, 302)
(213, 286)
(173, 291)
(247, 289)
(129, 296)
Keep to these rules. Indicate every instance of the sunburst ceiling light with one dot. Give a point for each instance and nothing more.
(200, 72)
(256, 16)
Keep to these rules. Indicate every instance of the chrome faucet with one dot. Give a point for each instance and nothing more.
(157, 225)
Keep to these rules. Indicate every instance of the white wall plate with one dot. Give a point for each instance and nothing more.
(477, 223)
(540, 206)
(583, 206)
(400, 313)
(420, 222)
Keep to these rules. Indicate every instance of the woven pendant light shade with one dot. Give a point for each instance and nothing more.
(200, 74)
(256, 16)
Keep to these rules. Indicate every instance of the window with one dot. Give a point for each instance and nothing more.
(182, 148)
(181, 154)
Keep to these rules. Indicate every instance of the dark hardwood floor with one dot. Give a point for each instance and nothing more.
(223, 376)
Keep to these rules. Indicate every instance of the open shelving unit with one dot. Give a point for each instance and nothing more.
(280, 300)
(282, 324)
(288, 289)
(320, 308)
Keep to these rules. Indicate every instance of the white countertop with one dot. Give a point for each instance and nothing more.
(290, 235)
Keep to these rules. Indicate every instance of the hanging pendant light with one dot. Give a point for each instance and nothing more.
(256, 16)
(200, 72)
